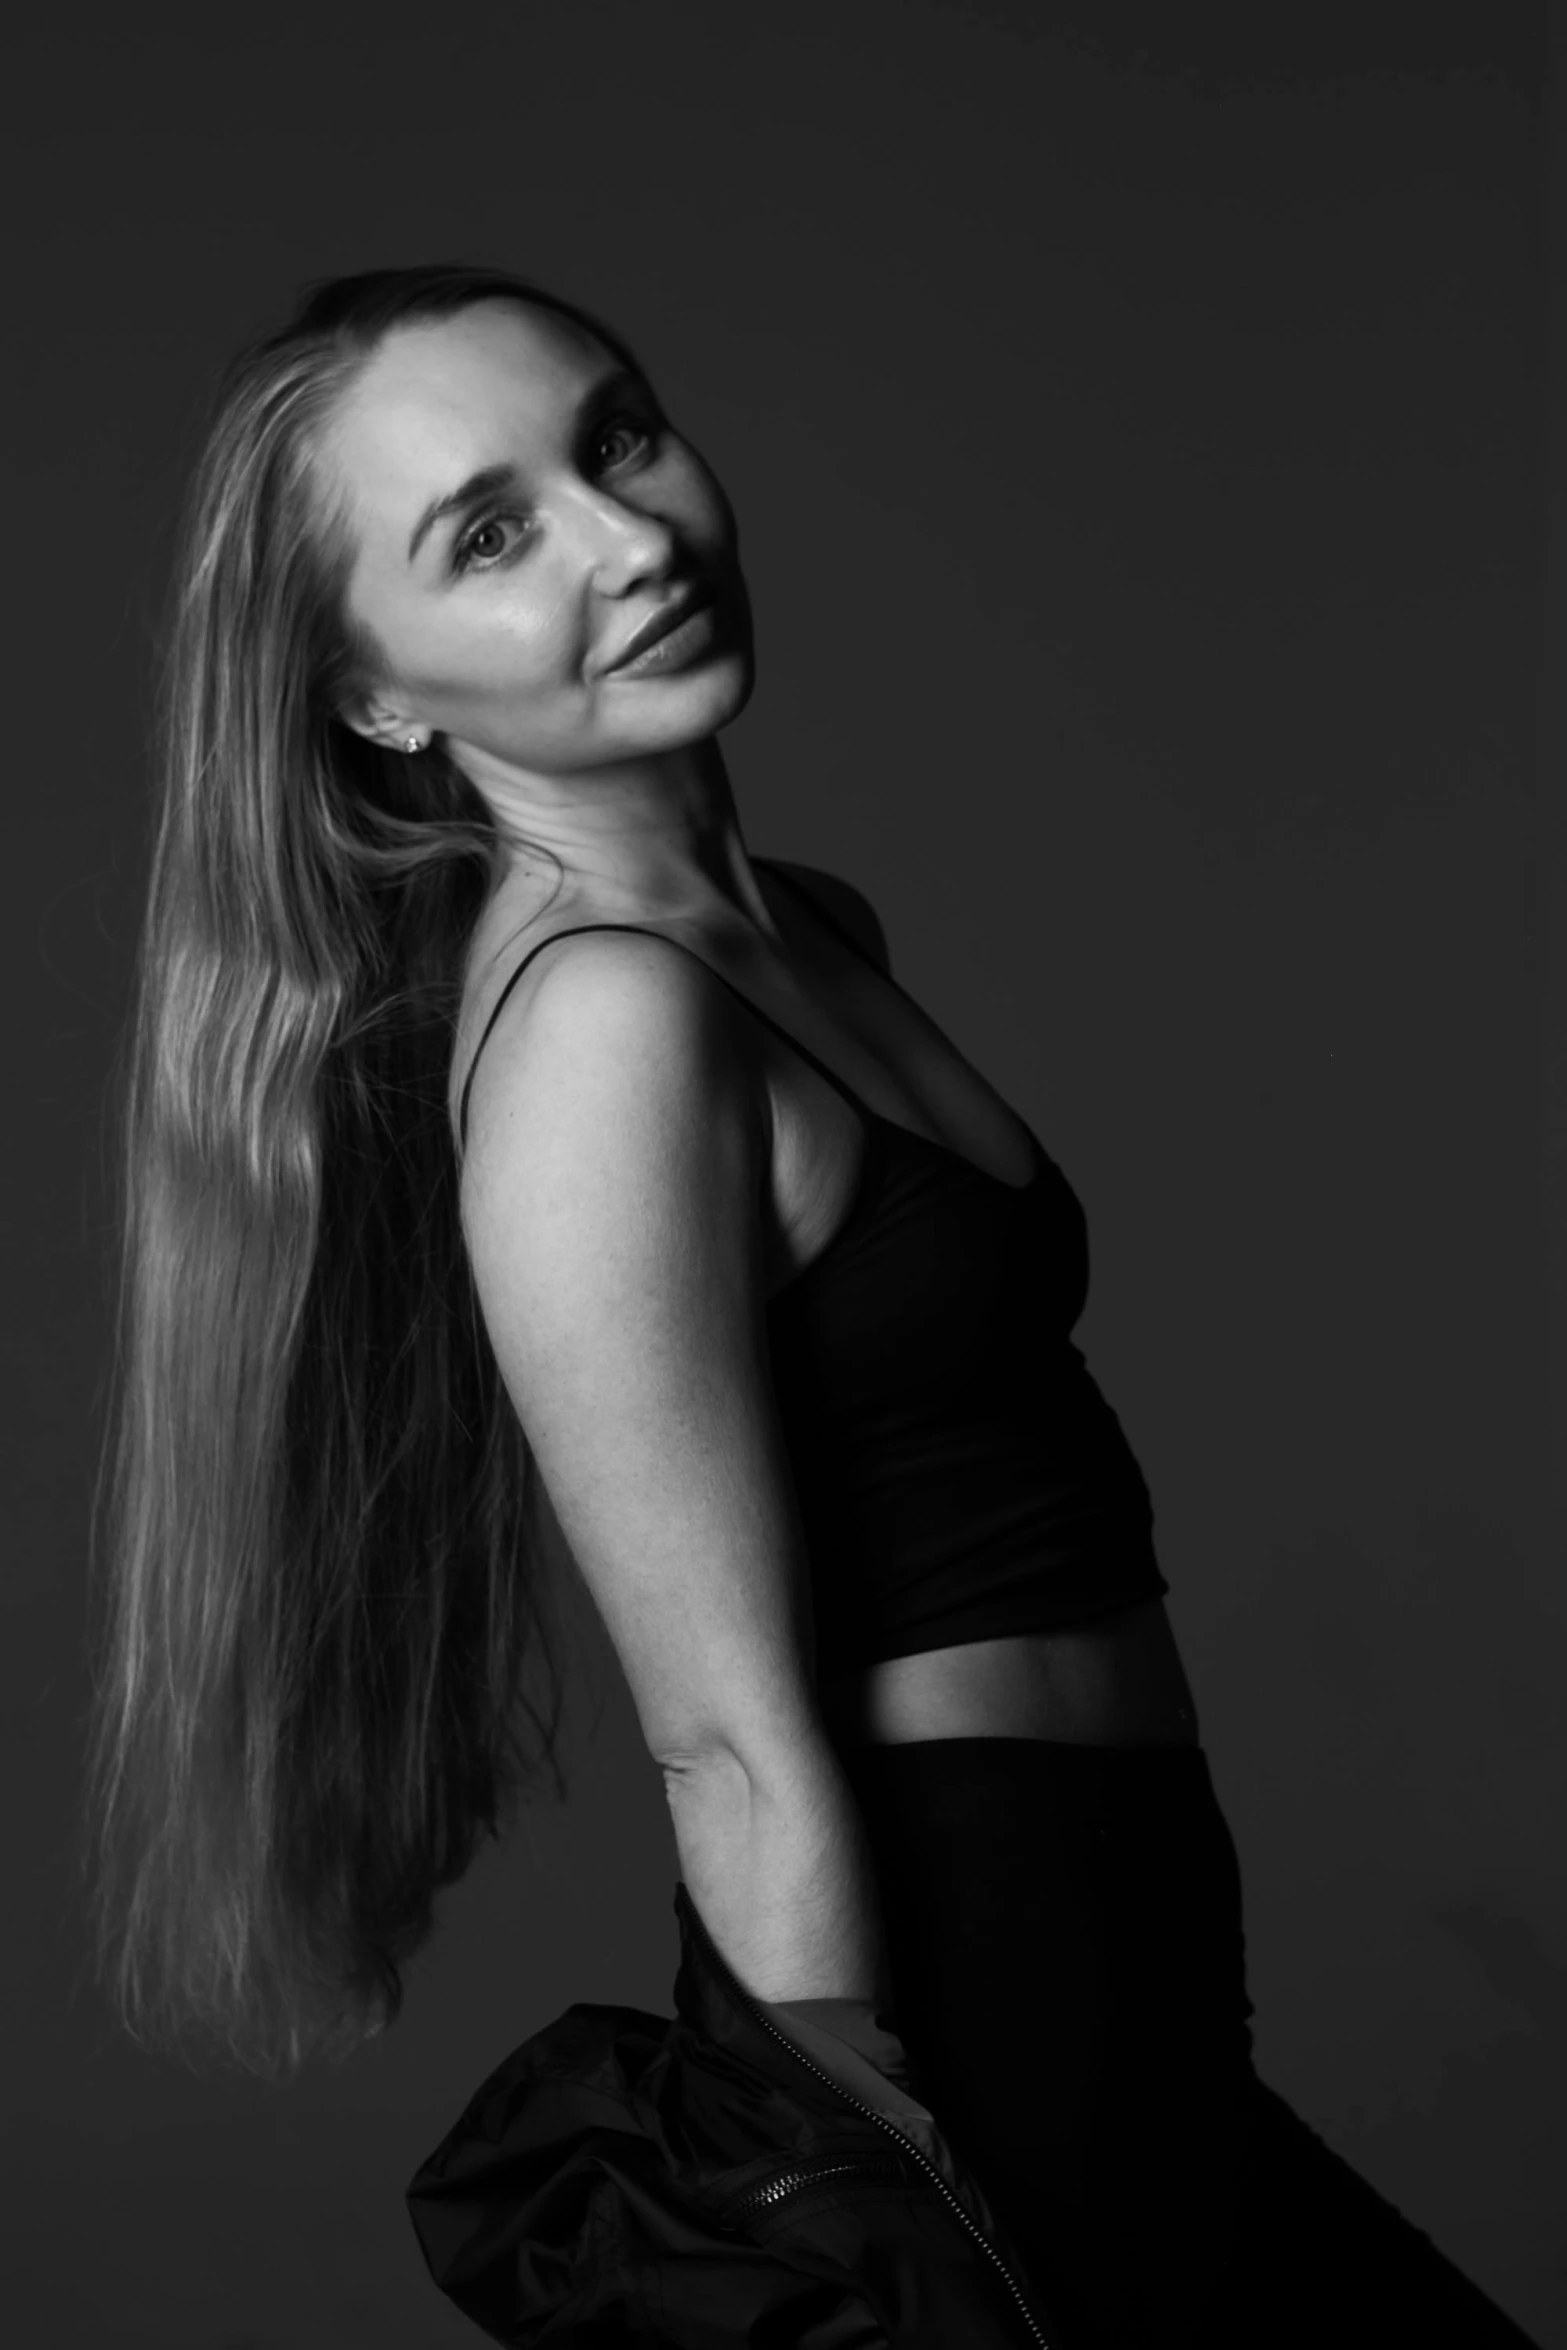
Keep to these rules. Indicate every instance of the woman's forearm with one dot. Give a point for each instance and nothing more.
(777, 1863)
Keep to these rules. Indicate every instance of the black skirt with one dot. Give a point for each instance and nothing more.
(1068, 1966)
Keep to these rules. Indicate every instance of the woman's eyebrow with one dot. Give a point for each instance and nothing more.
(482, 484)
(491, 478)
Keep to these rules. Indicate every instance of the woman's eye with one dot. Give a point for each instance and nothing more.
(485, 543)
(621, 440)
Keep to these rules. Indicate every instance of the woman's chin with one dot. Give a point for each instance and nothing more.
(685, 708)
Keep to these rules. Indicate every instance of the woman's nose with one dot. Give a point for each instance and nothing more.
(622, 543)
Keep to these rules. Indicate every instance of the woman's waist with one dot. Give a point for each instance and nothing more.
(1115, 1681)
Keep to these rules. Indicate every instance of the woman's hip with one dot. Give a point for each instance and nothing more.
(1068, 1968)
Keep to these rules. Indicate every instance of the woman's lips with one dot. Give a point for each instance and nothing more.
(687, 641)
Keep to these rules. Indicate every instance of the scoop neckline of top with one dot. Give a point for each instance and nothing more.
(867, 1110)
(873, 1117)
(928, 1142)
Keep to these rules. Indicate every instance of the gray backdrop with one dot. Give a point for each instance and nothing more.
(1136, 439)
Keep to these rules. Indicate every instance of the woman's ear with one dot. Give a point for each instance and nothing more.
(380, 723)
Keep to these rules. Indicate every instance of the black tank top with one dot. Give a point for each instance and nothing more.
(959, 1474)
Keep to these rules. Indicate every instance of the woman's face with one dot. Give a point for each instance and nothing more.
(518, 508)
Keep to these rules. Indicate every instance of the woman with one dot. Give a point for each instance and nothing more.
(692, 1230)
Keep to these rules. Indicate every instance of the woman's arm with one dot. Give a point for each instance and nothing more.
(616, 1171)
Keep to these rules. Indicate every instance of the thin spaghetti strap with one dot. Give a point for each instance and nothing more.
(574, 932)
(848, 937)
(816, 906)
(642, 929)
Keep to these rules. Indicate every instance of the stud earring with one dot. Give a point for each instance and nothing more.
(413, 743)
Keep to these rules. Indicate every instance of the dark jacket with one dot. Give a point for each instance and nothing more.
(701, 2184)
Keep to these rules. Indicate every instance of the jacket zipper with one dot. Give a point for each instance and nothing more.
(907, 2145)
(772, 2193)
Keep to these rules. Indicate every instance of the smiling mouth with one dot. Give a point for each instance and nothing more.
(678, 638)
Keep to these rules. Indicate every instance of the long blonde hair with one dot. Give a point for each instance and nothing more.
(317, 1586)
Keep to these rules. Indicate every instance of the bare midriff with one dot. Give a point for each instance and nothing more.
(1117, 1682)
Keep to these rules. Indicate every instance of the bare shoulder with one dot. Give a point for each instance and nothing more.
(619, 1051)
(612, 1209)
(845, 904)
